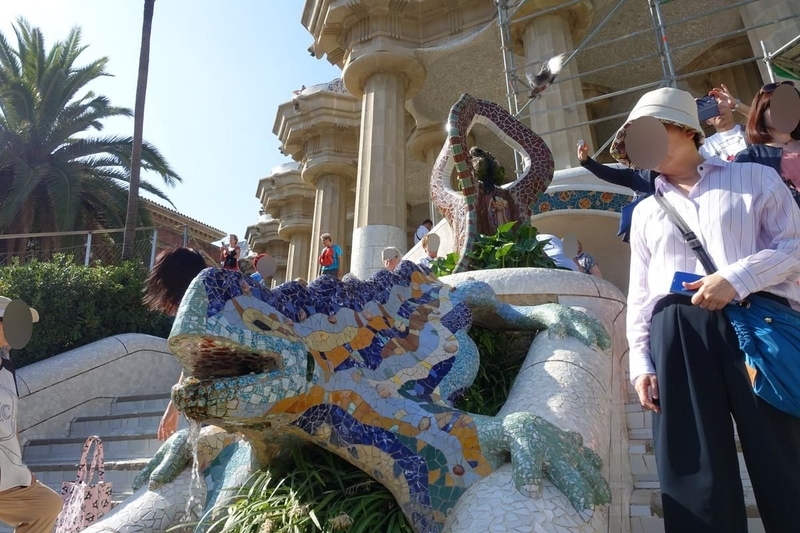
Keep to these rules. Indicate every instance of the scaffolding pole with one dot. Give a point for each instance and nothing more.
(659, 26)
(508, 69)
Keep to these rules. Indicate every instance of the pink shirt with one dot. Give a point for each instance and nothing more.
(748, 223)
(790, 167)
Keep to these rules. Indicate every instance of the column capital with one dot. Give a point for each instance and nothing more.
(424, 139)
(343, 166)
(322, 111)
(338, 27)
(382, 56)
(580, 17)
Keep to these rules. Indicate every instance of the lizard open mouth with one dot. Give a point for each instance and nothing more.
(215, 357)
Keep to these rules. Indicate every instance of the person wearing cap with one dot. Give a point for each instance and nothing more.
(391, 257)
(685, 361)
(430, 243)
(554, 248)
(25, 503)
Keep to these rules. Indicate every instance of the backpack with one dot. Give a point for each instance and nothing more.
(327, 256)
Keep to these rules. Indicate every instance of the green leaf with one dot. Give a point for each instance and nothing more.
(505, 228)
(503, 251)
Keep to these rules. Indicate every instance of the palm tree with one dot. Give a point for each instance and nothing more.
(138, 129)
(56, 172)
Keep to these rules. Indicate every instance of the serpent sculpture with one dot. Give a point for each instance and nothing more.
(461, 208)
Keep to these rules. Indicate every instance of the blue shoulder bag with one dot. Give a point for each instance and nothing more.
(768, 333)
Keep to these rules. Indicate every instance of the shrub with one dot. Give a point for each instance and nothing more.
(79, 305)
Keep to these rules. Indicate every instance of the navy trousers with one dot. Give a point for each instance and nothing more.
(702, 381)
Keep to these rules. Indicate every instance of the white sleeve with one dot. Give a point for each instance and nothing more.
(639, 312)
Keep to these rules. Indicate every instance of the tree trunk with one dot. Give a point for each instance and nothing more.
(138, 128)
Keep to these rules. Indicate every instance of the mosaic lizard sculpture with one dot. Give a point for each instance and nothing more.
(460, 208)
(369, 370)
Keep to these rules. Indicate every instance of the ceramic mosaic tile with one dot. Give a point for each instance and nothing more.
(369, 369)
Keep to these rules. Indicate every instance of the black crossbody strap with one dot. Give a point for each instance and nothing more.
(688, 234)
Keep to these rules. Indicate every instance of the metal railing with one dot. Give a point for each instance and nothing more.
(95, 247)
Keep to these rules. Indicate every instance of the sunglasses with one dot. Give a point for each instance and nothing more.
(770, 87)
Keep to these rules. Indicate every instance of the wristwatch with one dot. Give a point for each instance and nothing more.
(736, 104)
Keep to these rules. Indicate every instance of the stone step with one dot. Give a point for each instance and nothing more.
(646, 512)
(643, 464)
(68, 449)
(119, 473)
(119, 424)
(140, 404)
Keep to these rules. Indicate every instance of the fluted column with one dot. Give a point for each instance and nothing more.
(319, 129)
(425, 145)
(385, 80)
(330, 216)
(287, 198)
(542, 38)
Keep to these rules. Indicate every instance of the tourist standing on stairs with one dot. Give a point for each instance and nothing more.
(330, 259)
(25, 503)
(685, 360)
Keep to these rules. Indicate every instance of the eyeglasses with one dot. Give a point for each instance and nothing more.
(770, 87)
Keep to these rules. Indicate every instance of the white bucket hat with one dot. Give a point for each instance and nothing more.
(668, 105)
(4, 303)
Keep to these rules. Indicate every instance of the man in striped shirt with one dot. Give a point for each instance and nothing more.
(685, 362)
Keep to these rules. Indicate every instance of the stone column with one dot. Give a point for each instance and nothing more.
(380, 211)
(319, 129)
(542, 38)
(263, 238)
(286, 198)
(297, 230)
(330, 211)
(425, 145)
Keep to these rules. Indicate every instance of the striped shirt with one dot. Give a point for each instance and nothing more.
(748, 223)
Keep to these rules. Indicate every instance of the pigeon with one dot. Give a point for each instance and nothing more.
(546, 76)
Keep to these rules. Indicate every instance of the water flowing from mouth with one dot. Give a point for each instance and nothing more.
(197, 488)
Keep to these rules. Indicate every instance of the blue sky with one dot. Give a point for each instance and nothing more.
(218, 71)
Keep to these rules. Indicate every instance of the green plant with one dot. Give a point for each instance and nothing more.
(310, 489)
(79, 304)
(513, 245)
(499, 365)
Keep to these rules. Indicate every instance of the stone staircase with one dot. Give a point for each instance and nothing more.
(645, 507)
(129, 441)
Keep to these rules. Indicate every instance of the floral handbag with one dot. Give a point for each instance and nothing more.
(83, 502)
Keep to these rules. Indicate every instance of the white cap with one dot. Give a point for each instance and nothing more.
(4, 303)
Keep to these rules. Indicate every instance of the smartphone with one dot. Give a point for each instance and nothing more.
(707, 107)
(678, 281)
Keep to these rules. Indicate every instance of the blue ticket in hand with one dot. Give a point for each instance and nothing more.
(683, 277)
